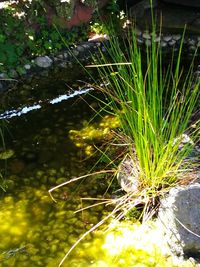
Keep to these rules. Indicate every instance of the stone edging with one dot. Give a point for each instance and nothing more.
(41, 65)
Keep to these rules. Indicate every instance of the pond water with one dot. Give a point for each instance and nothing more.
(40, 154)
(35, 231)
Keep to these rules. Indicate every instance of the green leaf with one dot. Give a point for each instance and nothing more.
(2, 38)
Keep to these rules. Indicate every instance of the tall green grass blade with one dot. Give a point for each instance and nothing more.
(153, 105)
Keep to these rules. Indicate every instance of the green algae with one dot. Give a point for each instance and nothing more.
(6, 154)
(91, 133)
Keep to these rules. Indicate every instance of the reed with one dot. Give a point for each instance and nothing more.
(154, 104)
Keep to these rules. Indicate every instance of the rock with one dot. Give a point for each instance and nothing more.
(17, 166)
(163, 44)
(128, 175)
(176, 37)
(60, 56)
(63, 65)
(27, 66)
(146, 35)
(80, 49)
(167, 38)
(183, 140)
(172, 43)
(65, 55)
(179, 213)
(43, 62)
(75, 52)
(3, 76)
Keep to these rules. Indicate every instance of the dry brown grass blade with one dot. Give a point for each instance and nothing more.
(76, 179)
(88, 232)
(103, 201)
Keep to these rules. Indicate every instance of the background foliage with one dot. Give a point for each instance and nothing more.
(28, 30)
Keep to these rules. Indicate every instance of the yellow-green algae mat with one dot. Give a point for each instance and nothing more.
(36, 232)
(118, 245)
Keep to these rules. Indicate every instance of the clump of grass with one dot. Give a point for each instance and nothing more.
(154, 104)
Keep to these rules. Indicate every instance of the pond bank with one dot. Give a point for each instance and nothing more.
(43, 66)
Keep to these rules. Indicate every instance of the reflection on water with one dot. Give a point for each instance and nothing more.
(20, 111)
